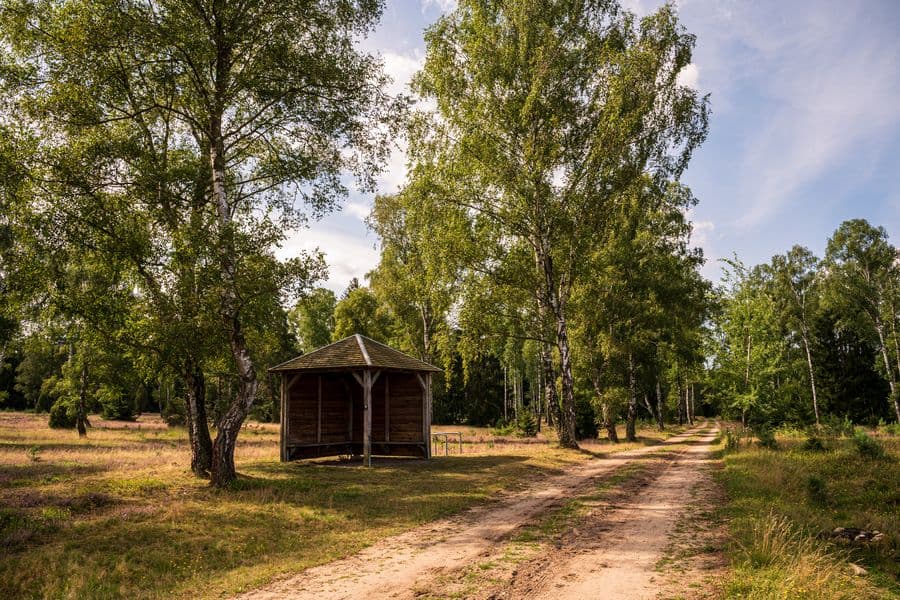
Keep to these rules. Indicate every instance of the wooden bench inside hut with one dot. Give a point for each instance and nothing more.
(355, 397)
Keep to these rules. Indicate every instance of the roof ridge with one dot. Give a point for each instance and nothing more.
(359, 352)
(392, 349)
(362, 348)
(316, 351)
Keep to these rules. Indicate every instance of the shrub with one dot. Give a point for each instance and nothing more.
(838, 427)
(767, 439)
(889, 428)
(115, 405)
(816, 489)
(868, 447)
(61, 415)
(526, 425)
(732, 440)
(174, 413)
(813, 444)
(503, 428)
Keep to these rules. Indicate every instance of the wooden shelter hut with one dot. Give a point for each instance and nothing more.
(357, 397)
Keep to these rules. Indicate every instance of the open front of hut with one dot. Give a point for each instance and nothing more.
(355, 397)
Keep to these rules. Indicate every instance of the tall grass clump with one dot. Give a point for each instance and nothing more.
(868, 447)
(776, 560)
(813, 444)
(766, 438)
(732, 440)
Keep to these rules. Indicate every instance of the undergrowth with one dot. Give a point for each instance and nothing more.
(782, 502)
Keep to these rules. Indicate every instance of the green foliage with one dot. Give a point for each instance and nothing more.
(312, 319)
(585, 417)
(174, 412)
(732, 439)
(889, 428)
(816, 489)
(868, 447)
(766, 438)
(526, 424)
(62, 414)
(114, 404)
(813, 444)
(803, 341)
(361, 312)
(839, 427)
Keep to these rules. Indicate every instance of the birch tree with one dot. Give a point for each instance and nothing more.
(796, 294)
(861, 282)
(548, 111)
(238, 115)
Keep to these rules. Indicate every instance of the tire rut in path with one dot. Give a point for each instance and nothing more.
(613, 553)
(395, 567)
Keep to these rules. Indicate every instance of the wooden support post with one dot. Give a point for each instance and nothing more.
(319, 413)
(350, 400)
(427, 416)
(284, 421)
(367, 418)
(387, 409)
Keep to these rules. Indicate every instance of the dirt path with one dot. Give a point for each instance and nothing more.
(614, 552)
(407, 565)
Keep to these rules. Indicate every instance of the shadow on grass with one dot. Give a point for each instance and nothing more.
(277, 517)
(39, 472)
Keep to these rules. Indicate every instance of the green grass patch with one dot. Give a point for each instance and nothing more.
(783, 497)
(121, 516)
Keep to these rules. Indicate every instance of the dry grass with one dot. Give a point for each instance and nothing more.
(118, 514)
(776, 515)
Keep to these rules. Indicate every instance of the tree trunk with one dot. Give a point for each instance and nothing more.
(538, 396)
(515, 391)
(81, 409)
(222, 470)
(812, 379)
(549, 379)
(887, 367)
(198, 423)
(747, 371)
(692, 412)
(680, 407)
(551, 300)
(505, 401)
(660, 423)
(567, 435)
(607, 418)
(650, 407)
(630, 429)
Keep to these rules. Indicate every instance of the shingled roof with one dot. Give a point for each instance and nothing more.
(354, 352)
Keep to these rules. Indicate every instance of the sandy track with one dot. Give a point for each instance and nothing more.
(614, 552)
(396, 567)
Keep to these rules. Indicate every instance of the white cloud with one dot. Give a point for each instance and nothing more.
(690, 76)
(701, 231)
(830, 101)
(400, 68)
(347, 255)
(360, 210)
(442, 5)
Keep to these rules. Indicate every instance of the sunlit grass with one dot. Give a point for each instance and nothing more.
(781, 500)
(118, 514)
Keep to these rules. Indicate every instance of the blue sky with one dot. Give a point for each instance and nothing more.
(805, 130)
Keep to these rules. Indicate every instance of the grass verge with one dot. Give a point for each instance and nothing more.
(780, 502)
